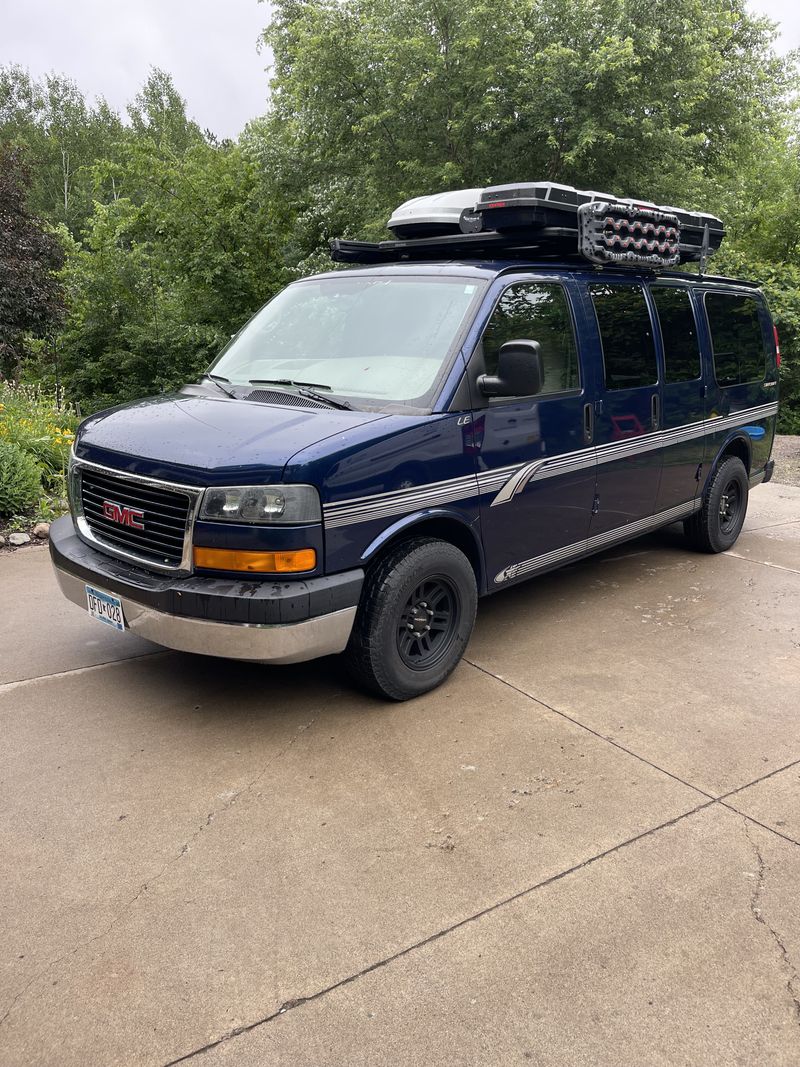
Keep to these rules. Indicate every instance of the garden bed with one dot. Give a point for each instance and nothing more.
(36, 433)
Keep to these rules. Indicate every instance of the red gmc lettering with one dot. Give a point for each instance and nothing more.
(123, 515)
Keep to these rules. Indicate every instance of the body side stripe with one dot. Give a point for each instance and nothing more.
(511, 480)
(599, 541)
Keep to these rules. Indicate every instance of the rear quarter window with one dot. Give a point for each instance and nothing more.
(737, 338)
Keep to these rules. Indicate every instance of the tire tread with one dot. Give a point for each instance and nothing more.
(365, 662)
(702, 528)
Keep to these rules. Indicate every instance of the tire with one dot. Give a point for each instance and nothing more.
(718, 523)
(418, 584)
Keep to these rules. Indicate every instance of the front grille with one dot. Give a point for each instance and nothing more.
(163, 514)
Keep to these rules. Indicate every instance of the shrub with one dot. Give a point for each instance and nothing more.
(31, 419)
(20, 480)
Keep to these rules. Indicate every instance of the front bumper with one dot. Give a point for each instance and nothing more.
(264, 621)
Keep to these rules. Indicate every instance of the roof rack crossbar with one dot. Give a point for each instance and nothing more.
(552, 242)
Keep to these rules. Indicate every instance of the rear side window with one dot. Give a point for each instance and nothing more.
(626, 333)
(678, 334)
(740, 354)
(536, 312)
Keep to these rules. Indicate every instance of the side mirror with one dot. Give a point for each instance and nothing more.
(519, 371)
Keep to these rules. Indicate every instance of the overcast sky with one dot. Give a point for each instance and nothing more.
(209, 47)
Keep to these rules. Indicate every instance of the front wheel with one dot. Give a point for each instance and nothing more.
(414, 621)
(715, 527)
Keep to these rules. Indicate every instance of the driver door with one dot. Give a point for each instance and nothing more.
(536, 462)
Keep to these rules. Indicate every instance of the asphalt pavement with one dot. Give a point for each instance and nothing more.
(583, 849)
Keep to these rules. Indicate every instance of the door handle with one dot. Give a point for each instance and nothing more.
(654, 411)
(588, 423)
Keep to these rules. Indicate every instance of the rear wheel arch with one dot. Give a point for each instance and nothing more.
(738, 445)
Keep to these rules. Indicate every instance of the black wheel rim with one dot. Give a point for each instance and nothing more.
(428, 623)
(730, 504)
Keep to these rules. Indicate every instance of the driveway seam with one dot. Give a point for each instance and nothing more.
(718, 798)
(769, 526)
(757, 822)
(7, 687)
(758, 781)
(763, 563)
(589, 730)
(290, 1005)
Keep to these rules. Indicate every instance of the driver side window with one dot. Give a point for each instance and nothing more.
(536, 312)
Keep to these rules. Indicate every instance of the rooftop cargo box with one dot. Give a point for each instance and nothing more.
(600, 226)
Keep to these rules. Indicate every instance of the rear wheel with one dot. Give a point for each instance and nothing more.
(718, 523)
(414, 621)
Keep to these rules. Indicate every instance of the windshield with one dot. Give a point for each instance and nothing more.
(385, 339)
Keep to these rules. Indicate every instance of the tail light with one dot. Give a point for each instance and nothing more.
(777, 347)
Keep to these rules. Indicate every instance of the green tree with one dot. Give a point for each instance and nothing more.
(31, 297)
(159, 113)
(63, 137)
(377, 100)
(160, 280)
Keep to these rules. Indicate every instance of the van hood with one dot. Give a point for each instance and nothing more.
(204, 440)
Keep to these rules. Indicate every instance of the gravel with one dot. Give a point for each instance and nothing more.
(786, 453)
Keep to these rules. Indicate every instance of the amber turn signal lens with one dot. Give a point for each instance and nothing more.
(225, 559)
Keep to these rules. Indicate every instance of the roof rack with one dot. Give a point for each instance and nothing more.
(553, 243)
(541, 220)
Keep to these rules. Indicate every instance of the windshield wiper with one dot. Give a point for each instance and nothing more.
(287, 381)
(326, 398)
(217, 379)
(303, 388)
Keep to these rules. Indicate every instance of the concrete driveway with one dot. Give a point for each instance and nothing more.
(582, 850)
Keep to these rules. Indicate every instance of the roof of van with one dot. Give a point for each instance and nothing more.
(488, 269)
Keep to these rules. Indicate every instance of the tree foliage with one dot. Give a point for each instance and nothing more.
(166, 233)
(31, 299)
(161, 277)
(173, 239)
(62, 135)
(664, 99)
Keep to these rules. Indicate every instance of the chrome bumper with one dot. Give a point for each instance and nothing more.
(283, 643)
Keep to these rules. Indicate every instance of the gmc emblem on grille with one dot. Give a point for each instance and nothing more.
(123, 515)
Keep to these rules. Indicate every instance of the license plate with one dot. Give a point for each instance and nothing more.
(105, 608)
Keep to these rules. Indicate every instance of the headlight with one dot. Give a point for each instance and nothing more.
(268, 504)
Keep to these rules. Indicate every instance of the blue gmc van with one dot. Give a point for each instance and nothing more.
(379, 446)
